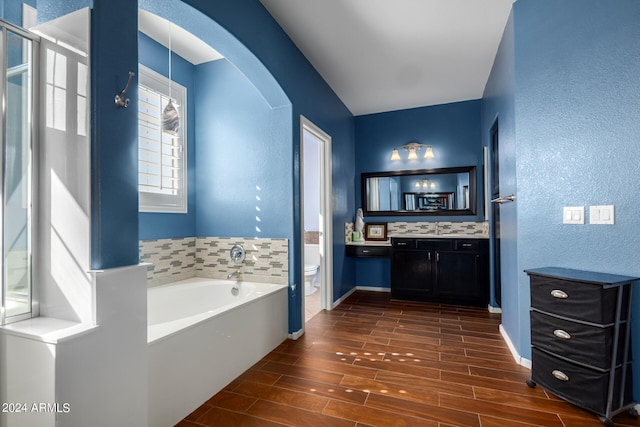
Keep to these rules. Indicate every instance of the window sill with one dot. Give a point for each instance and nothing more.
(47, 329)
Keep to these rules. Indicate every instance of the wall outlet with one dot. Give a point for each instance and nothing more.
(601, 214)
(573, 215)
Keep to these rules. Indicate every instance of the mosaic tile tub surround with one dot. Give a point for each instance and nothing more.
(474, 229)
(267, 260)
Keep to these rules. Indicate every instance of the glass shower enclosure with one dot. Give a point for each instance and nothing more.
(17, 126)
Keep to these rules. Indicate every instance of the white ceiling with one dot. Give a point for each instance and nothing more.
(382, 55)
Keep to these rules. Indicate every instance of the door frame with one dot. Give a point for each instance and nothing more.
(326, 214)
(494, 213)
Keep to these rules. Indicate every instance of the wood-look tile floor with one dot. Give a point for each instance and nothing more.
(377, 362)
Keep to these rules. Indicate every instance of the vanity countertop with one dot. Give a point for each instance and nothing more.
(371, 243)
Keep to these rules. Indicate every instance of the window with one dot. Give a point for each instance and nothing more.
(162, 156)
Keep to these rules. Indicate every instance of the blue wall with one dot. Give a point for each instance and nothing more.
(498, 106)
(243, 158)
(576, 99)
(11, 10)
(114, 133)
(165, 225)
(262, 53)
(452, 129)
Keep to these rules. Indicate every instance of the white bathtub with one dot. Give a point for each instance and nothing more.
(201, 337)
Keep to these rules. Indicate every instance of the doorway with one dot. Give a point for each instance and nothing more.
(495, 212)
(316, 250)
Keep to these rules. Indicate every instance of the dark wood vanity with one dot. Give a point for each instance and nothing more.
(443, 270)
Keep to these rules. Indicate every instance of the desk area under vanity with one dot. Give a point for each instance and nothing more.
(441, 262)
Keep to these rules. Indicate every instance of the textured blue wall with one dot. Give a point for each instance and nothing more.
(114, 135)
(251, 40)
(11, 10)
(577, 131)
(452, 129)
(310, 96)
(565, 85)
(170, 225)
(243, 158)
(498, 105)
(51, 9)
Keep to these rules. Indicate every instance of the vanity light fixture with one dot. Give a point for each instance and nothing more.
(413, 148)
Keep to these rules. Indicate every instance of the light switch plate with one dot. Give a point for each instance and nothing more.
(573, 215)
(601, 214)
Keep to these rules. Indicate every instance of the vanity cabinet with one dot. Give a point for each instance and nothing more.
(580, 338)
(452, 271)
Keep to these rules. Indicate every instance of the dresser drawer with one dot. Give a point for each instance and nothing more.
(582, 343)
(577, 300)
(577, 384)
(365, 251)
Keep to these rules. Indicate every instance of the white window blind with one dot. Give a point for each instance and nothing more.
(162, 184)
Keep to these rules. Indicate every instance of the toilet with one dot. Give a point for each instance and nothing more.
(311, 266)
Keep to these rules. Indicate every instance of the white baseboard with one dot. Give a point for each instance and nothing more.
(494, 309)
(373, 289)
(295, 335)
(342, 298)
(519, 359)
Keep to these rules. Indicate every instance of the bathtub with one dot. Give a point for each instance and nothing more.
(201, 337)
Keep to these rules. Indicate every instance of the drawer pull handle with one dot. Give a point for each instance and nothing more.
(401, 244)
(560, 375)
(562, 334)
(365, 251)
(557, 293)
(466, 245)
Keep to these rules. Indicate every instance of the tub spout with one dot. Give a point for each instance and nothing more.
(233, 274)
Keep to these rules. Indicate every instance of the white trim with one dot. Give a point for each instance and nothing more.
(295, 335)
(493, 309)
(342, 298)
(373, 288)
(519, 359)
(150, 201)
(326, 211)
(485, 177)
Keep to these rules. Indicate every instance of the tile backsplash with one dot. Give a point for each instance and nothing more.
(169, 260)
(267, 260)
(444, 227)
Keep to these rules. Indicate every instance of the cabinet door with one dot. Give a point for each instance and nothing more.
(411, 274)
(458, 277)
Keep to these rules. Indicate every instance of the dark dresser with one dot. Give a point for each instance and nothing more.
(580, 338)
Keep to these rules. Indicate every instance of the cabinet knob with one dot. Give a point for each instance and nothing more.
(560, 375)
(562, 334)
(557, 293)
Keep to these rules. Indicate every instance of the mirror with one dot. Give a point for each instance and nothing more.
(446, 191)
